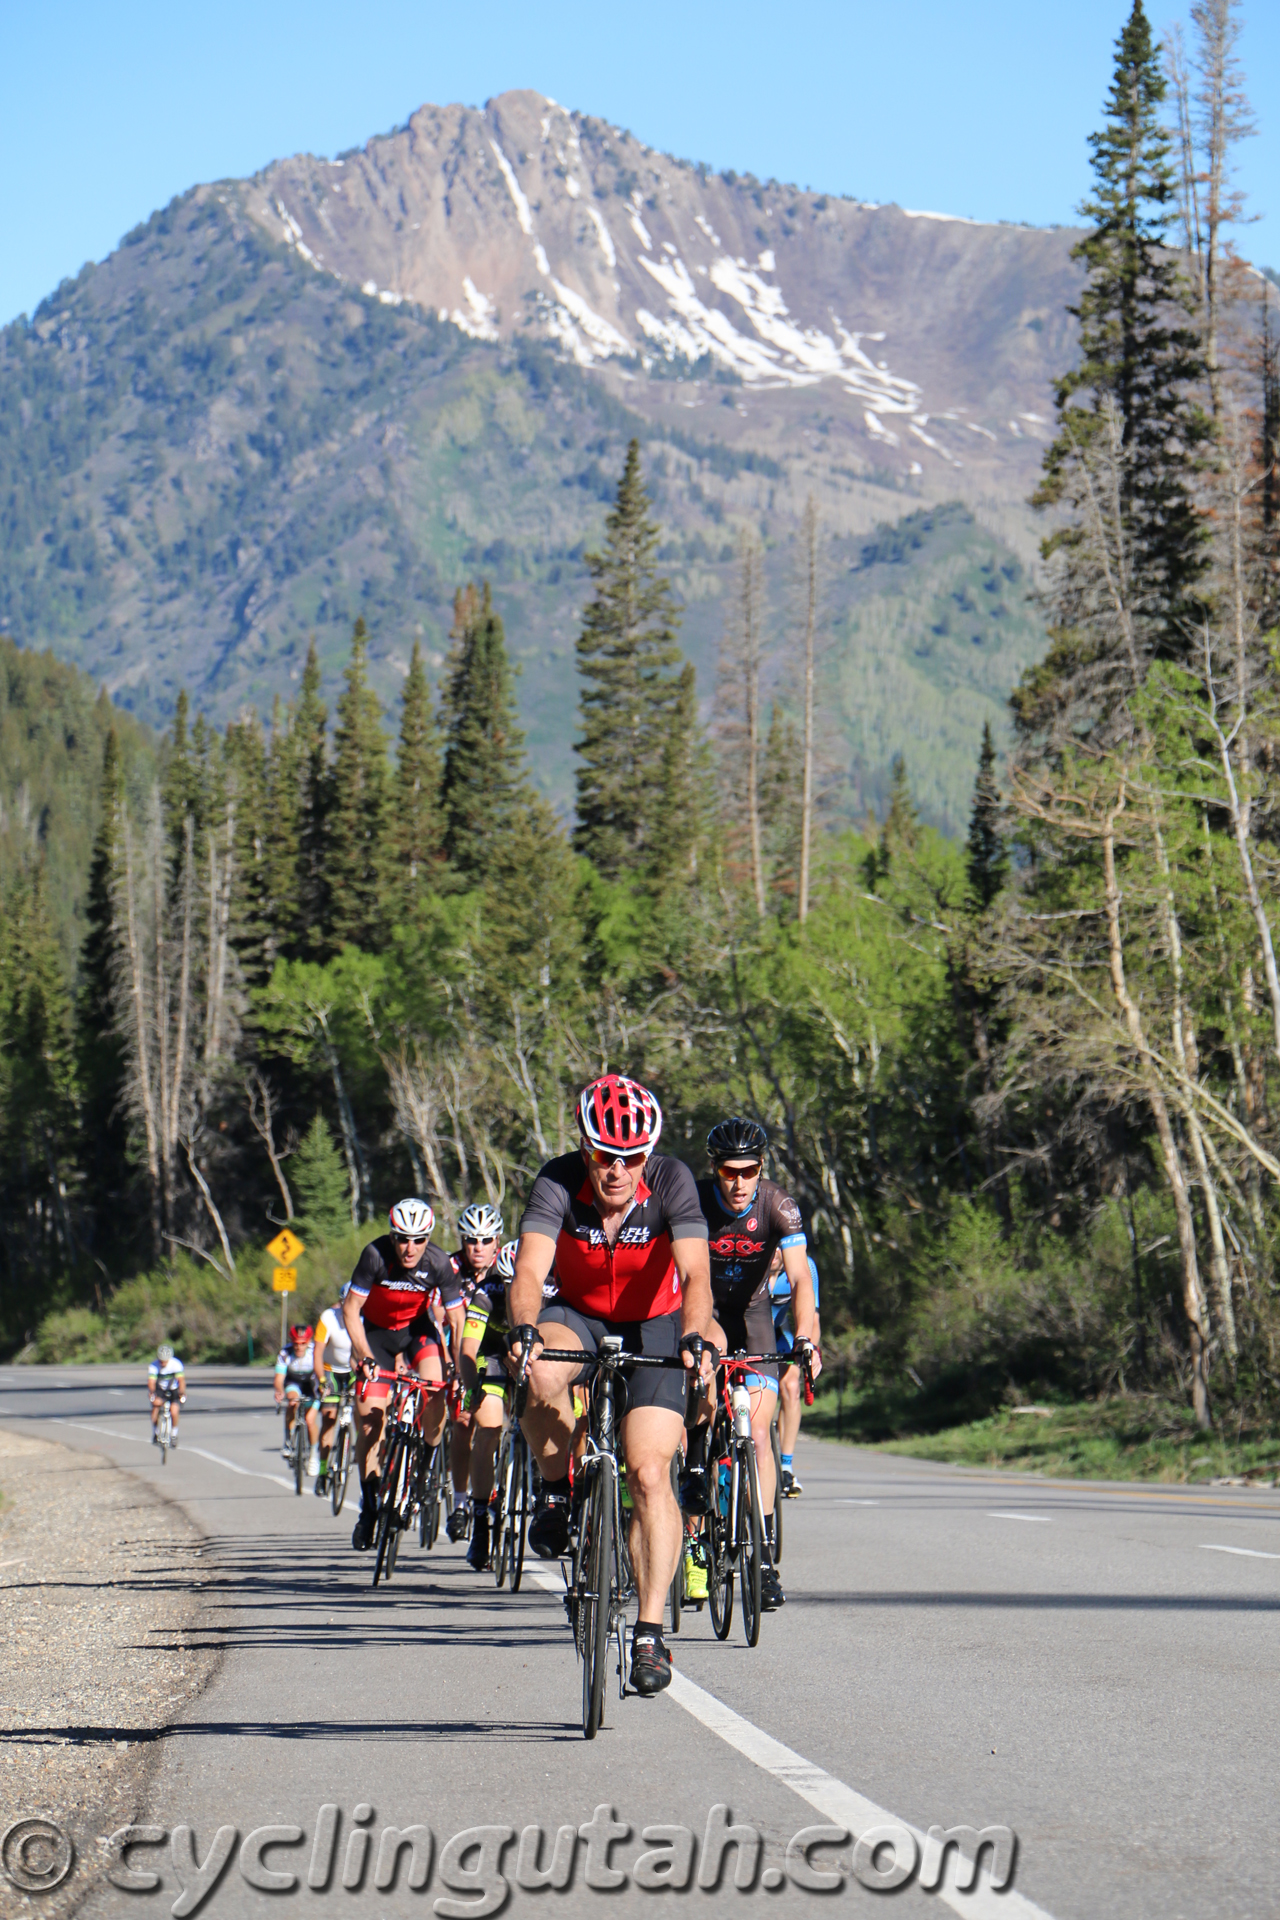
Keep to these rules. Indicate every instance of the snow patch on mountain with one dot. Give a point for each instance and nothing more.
(481, 318)
(523, 215)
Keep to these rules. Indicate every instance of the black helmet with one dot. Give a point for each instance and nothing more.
(736, 1139)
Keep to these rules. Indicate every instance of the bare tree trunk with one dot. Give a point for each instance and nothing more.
(1193, 1301)
(357, 1172)
(810, 625)
(261, 1103)
(189, 1148)
(140, 1022)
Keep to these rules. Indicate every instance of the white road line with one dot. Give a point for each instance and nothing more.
(276, 1479)
(841, 1804)
(857, 1503)
(1039, 1519)
(1250, 1553)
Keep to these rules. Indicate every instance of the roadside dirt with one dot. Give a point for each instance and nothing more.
(101, 1595)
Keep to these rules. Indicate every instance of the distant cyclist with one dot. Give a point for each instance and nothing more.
(298, 1390)
(387, 1311)
(165, 1381)
(622, 1226)
(480, 1227)
(789, 1399)
(749, 1219)
(333, 1370)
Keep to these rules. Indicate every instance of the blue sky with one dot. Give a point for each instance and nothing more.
(979, 107)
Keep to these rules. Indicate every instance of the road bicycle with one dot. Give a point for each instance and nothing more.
(342, 1451)
(433, 1491)
(164, 1427)
(600, 1584)
(514, 1490)
(407, 1487)
(734, 1530)
(295, 1447)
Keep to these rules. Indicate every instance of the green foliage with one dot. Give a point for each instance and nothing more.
(484, 787)
(416, 833)
(988, 856)
(319, 1184)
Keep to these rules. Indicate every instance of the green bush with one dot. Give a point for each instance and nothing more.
(204, 1315)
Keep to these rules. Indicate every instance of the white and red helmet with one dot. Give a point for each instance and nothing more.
(614, 1112)
(414, 1218)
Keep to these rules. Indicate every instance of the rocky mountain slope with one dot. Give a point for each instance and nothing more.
(346, 386)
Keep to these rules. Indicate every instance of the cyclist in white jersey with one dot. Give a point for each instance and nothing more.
(333, 1370)
(165, 1381)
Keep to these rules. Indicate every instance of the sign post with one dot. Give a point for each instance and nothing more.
(284, 1250)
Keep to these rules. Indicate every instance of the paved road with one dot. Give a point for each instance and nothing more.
(1092, 1666)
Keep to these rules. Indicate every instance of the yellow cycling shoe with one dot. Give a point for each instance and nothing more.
(695, 1577)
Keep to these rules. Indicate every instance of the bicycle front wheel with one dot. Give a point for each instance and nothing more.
(777, 1494)
(677, 1582)
(339, 1468)
(518, 1520)
(595, 1606)
(387, 1527)
(750, 1540)
(165, 1430)
(716, 1535)
(504, 1483)
(299, 1452)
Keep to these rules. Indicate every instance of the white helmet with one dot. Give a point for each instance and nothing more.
(164, 1353)
(507, 1260)
(480, 1222)
(413, 1217)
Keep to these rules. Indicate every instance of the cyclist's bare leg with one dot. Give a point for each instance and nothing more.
(370, 1414)
(312, 1418)
(650, 1436)
(789, 1409)
(434, 1405)
(291, 1401)
(762, 1404)
(485, 1436)
(460, 1443)
(549, 1419)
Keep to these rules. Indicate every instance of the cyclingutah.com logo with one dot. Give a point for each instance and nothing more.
(479, 1869)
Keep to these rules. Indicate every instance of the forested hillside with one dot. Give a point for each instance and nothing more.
(1024, 1082)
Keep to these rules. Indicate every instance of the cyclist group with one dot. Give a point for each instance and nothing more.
(617, 1242)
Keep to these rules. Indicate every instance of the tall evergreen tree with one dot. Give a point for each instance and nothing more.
(781, 800)
(37, 1082)
(284, 892)
(988, 857)
(358, 815)
(100, 1049)
(484, 784)
(309, 759)
(1139, 357)
(253, 932)
(629, 694)
(417, 827)
(680, 807)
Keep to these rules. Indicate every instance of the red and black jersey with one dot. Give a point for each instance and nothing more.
(743, 1245)
(394, 1295)
(635, 1278)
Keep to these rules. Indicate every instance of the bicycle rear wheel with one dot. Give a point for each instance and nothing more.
(777, 1493)
(433, 1495)
(595, 1606)
(750, 1539)
(676, 1594)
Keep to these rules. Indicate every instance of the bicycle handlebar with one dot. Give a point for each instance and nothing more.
(739, 1362)
(586, 1359)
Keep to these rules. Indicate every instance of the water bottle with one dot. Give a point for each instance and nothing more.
(741, 1401)
(722, 1486)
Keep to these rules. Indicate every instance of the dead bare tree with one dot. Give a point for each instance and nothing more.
(260, 1102)
(737, 725)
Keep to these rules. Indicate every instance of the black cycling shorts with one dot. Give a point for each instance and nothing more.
(647, 1386)
(385, 1343)
(751, 1330)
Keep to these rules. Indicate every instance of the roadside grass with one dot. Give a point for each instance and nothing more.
(1125, 1437)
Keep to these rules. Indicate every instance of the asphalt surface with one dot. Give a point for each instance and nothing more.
(1092, 1666)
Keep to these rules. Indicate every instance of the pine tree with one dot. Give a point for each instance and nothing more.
(629, 694)
(283, 889)
(358, 814)
(100, 1049)
(988, 857)
(253, 932)
(38, 1118)
(417, 829)
(319, 1183)
(310, 759)
(1138, 358)
(679, 819)
(484, 784)
(781, 800)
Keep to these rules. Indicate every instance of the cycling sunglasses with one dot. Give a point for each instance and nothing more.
(471, 1240)
(740, 1173)
(410, 1239)
(604, 1157)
